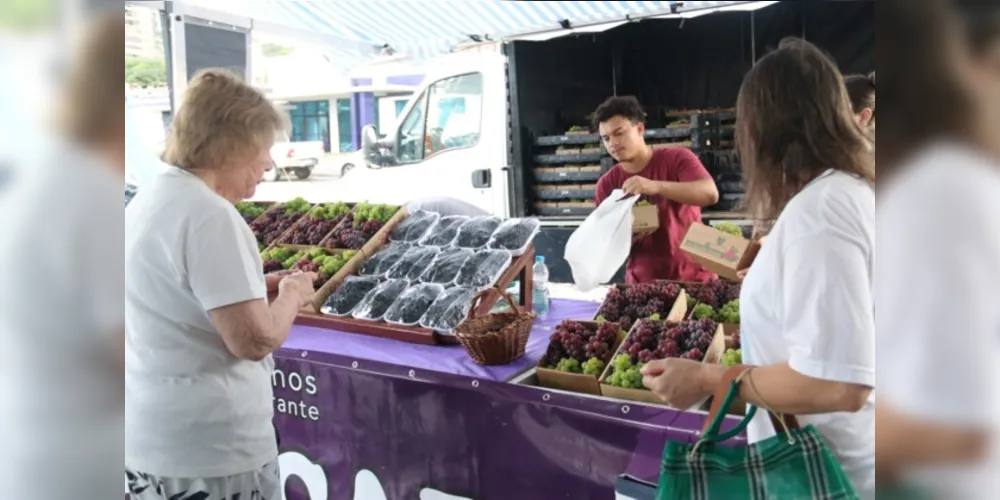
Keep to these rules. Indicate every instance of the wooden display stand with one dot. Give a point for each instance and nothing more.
(521, 268)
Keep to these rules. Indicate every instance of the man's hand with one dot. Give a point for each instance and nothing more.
(641, 186)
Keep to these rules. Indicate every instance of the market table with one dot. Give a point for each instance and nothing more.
(367, 418)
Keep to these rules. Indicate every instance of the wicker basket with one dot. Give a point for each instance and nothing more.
(495, 339)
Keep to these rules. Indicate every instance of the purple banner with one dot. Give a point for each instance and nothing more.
(366, 430)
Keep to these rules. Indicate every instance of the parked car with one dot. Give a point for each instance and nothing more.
(297, 159)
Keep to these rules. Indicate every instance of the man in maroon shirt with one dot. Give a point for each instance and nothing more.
(673, 179)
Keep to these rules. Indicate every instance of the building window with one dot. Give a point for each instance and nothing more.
(311, 122)
(345, 136)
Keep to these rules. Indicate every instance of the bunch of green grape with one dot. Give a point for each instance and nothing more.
(702, 311)
(733, 357)
(249, 210)
(330, 211)
(332, 264)
(730, 313)
(593, 366)
(278, 254)
(297, 206)
(569, 365)
(365, 212)
(624, 374)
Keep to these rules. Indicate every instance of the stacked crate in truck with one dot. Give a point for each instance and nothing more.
(567, 168)
(717, 145)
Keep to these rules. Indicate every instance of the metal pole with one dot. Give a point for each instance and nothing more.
(753, 35)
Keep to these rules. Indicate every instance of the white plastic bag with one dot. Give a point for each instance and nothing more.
(599, 247)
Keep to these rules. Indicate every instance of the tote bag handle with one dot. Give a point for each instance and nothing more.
(725, 394)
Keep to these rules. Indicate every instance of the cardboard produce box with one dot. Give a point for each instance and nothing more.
(573, 382)
(645, 218)
(718, 252)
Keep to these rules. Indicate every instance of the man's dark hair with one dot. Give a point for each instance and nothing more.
(627, 107)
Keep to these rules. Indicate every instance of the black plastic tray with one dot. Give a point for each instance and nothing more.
(568, 159)
(567, 176)
(568, 140)
(563, 211)
(565, 194)
(669, 133)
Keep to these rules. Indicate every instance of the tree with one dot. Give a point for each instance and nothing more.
(145, 73)
(275, 50)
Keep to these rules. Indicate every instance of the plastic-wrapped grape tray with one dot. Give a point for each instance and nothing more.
(520, 268)
(352, 267)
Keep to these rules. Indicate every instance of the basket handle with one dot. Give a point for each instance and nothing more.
(481, 296)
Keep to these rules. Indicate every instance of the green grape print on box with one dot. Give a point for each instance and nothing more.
(732, 254)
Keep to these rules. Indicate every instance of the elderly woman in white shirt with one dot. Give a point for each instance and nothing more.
(200, 330)
(808, 321)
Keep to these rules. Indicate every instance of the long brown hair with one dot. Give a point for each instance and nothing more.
(928, 97)
(794, 122)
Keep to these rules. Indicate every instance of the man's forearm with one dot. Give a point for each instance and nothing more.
(783, 390)
(698, 194)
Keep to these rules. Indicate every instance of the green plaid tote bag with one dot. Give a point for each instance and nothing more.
(794, 465)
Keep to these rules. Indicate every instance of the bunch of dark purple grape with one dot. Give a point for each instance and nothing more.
(652, 340)
(627, 305)
(574, 340)
(314, 227)
(718, 293)
(345, 235)
(273, 224)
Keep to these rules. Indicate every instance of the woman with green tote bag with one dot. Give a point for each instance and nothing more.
(807, 307)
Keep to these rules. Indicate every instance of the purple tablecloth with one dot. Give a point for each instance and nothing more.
(447, 359)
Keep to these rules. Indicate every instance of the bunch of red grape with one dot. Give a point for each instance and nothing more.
(346, 235)
(314, 227)
(627, 305)
(652, 340)
(718, 293)
(273, 224)
(574, 340)
(273, 266)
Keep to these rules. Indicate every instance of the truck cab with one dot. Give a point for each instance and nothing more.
(450, 141)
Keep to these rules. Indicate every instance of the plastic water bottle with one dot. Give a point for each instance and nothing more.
(540, 298)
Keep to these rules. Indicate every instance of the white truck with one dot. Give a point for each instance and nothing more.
(295, 159)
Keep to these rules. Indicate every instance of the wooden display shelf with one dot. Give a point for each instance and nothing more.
(521, 268)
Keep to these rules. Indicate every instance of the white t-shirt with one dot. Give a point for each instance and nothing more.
(807, 301)
(61, 317)
(938, 296)
(193, 410)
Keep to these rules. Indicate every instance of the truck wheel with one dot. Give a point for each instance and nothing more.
(302, 173)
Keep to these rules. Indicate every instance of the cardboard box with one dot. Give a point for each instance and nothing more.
(718, 252)
(712, 356)
(645, 219)
(573, 382)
